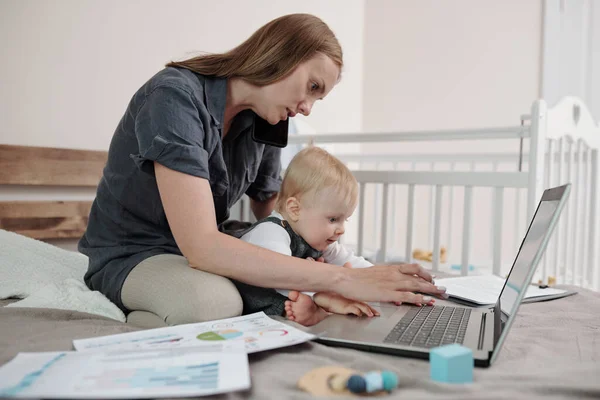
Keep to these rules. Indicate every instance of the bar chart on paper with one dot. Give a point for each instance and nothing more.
(124, 374)
(201, 376)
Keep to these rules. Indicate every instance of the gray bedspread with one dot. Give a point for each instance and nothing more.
(552, 351)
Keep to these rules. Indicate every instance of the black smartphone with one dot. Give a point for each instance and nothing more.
(273, 135)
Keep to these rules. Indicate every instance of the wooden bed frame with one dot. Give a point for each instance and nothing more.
(26, 166)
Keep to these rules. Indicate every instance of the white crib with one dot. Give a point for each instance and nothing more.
(420, 192)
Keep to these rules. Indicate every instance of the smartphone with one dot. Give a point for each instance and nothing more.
(273, 135)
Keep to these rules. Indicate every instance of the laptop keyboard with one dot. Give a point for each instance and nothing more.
(431, 327)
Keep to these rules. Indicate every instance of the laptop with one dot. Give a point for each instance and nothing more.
(411, 331)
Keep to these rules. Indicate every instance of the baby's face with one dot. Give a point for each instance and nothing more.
(322, 218)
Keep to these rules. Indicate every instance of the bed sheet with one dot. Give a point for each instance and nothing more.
(552, 351)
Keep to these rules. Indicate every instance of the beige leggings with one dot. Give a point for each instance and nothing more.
(164, 290)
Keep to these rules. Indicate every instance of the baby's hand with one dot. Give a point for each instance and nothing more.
(340, 305)
(357, 308)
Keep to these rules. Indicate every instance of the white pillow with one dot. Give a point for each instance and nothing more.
(47, 276)
(27, 264)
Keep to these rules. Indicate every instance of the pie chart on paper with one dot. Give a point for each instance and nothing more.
(225, 334)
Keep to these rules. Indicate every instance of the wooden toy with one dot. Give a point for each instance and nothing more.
(341, 381)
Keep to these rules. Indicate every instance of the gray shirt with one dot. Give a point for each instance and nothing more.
(175, 119)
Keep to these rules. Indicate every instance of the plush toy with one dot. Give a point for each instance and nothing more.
(551, 282)
(423, 255)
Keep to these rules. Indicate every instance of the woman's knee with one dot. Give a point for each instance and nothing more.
(167, 286)
(225, 299)
(210, 297)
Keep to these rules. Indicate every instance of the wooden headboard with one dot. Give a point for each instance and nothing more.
(49, 167)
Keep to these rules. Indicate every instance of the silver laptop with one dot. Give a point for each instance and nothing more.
(411, 331)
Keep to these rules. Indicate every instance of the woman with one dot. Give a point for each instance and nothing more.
(187, 148)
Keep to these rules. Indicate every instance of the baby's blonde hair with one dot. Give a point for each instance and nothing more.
(312, 170)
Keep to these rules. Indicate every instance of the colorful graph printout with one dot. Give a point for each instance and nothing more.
(124, 374)
(251, 333)
(226, 334)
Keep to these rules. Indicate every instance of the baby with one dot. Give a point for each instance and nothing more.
(317, 196)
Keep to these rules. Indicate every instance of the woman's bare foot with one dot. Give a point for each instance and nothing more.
(302, 309)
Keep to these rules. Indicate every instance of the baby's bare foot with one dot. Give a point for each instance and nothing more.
(302, 309)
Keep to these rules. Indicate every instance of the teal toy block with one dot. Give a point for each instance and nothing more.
(451, 363)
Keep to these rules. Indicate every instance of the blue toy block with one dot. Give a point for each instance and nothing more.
(452, 363)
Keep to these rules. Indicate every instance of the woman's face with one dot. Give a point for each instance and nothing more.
(296, 94)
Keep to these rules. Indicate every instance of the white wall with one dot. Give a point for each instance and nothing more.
(572, 52)
(433, 64)
(69, 67)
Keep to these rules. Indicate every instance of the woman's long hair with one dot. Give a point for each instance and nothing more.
(272, 52)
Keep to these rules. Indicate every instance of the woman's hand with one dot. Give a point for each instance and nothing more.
(389, 283)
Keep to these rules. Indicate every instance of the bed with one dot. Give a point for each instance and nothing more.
(540, 359)
(553, 349)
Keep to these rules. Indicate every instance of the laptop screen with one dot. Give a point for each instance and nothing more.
(529, 255)
(529, 248)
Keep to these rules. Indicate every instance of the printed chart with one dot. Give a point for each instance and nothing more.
(226, 334)
(124, 374)
(249, 333)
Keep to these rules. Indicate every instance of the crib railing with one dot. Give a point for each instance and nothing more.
(572, 143)
(556, 173)
(509, 132)
(487, 162)
(439, 180)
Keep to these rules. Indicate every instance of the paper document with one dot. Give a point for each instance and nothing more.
(254, 332)
(124, 374)
(485, 289)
